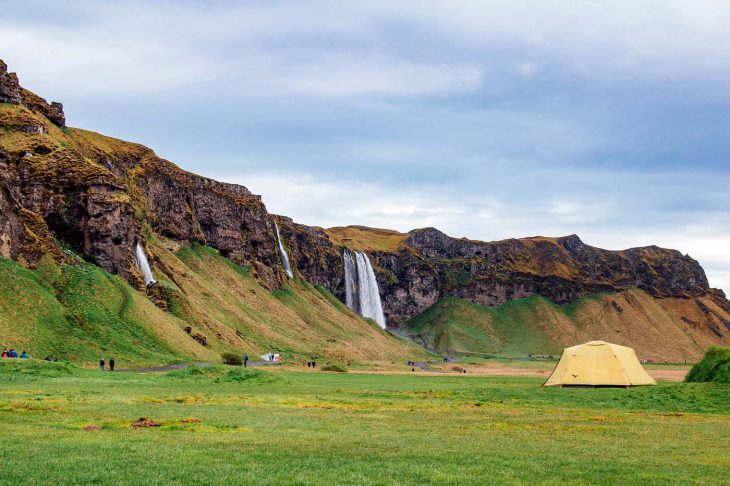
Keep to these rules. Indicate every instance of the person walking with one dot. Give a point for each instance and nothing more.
(245, 361)
(111, 364)
(101, 364)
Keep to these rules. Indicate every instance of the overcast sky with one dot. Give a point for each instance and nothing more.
(486, 119)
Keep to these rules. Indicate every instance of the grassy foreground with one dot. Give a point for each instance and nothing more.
(225, 426)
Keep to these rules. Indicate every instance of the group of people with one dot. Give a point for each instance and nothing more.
(102, 364)
(311, 364)
(12, 353)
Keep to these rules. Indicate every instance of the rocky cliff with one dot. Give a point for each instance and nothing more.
(67, 192)
(64, 187)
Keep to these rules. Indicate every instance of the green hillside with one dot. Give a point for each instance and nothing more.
(658, 329)
(226, 303)
(80, 313)
(456, 325)
(84, 314)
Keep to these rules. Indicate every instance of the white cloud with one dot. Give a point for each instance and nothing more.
(343, 78)
(485, 119)
(496, 215)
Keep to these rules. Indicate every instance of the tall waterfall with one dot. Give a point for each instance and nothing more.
(351, 297)
(143, 265)
(284, 256)
(361, 288)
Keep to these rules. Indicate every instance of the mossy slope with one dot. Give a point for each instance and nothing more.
(88, 313)
(225, 302)
(659, 329)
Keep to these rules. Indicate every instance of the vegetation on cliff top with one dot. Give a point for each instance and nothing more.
(361, 238)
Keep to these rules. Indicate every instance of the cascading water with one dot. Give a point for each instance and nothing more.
(143, 265)
(284, 256)
(350, 285)
(361, 288)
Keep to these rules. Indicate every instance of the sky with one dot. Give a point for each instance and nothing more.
(485, 119)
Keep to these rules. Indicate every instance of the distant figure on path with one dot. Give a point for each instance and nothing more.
(111, 364)
(245, 361)
(101, 364)
(24, 355)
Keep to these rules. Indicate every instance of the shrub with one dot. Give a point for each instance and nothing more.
(715, 366)
(232, 359)
(49, 272)
(334, 367)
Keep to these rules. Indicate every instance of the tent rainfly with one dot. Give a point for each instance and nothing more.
(598, 363)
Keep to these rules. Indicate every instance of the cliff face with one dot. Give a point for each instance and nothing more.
(69, 189)
(427, 265)
(100, 196)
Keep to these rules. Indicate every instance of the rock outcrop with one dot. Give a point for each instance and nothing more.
(9, 86)
(11, 92)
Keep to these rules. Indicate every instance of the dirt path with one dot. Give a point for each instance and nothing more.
(668, 375)
(161, 369)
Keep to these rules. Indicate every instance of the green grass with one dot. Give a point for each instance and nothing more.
(456, 325)
(228, 425)
(715, 366)
(89, 314)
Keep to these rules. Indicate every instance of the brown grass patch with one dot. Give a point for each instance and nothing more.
(361, 238)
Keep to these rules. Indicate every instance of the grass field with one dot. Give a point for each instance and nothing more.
(226, 426)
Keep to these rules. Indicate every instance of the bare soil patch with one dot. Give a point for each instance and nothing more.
(143, 423)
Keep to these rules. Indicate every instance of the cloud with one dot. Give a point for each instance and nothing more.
(613, 223)
(486, 119)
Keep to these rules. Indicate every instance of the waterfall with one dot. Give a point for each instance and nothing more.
(350, 285)
(361, 289)
(143, 265)
(284, 256)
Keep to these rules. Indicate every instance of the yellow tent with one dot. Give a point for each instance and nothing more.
(598, 363)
